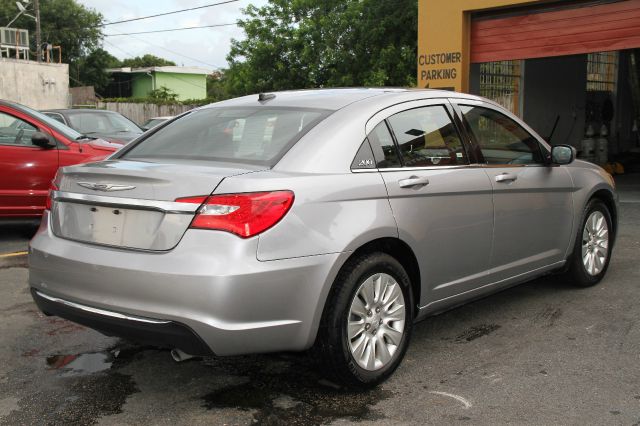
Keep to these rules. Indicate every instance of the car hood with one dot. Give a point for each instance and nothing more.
(118, 137)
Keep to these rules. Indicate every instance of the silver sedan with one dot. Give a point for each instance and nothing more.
(329, 220)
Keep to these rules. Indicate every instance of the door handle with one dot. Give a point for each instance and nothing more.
(506, 177)
(413, 181)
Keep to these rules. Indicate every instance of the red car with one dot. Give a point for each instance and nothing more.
(32, 148)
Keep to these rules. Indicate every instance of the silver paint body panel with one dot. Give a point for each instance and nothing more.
(470, 234)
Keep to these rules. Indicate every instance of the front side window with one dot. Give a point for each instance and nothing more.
(253, 135)
(427, 137)
(15, 131)
(501, 140)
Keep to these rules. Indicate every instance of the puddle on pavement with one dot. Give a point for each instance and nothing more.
(280, 389)
(82, 364)
(288, 391)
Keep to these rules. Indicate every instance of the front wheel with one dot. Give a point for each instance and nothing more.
(367, 322)
(592, 249)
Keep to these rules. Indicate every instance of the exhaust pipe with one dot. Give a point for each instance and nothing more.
(179, 356)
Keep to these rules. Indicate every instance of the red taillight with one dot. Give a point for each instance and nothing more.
(245, 214)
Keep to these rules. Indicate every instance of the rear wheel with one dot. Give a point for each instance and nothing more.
(367, 322)
(592, 249)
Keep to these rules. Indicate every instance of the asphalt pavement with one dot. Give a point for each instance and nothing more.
(540, 353)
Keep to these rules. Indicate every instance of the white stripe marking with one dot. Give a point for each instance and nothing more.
(458, 398)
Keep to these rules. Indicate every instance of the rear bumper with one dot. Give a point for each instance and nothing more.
(150, 331)
(211, 283)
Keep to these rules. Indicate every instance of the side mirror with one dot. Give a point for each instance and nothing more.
(42, 140)
(562, 154)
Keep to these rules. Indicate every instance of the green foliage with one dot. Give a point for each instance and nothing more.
(216, 86)
(191, 102)
(146, 61)
(162, 94)
(91, 68)
(328, 43)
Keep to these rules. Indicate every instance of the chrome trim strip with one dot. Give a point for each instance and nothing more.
(454, 167)
(100, 311)
(163, 206)
(408, 169)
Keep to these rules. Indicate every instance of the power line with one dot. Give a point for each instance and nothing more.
(171, 29)
(174, 52)
(169, 13)
(120, 49)
(158, 46)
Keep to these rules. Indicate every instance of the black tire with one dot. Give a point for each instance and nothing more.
(577, 272)
(332, 346)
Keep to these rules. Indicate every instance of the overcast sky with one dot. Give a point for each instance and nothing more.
(207, 47)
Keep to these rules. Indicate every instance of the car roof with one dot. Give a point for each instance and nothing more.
(14, 105)
(165, 117)
(331, 99)
(73, 110)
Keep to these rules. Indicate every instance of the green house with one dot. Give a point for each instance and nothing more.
(186, 82)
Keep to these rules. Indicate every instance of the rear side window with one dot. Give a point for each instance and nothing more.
(254, 135)
(427, 137)
(384, 149)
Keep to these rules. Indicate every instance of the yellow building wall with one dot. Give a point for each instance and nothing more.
(443, 40)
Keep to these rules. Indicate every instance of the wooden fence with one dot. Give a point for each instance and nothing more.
(139, 112)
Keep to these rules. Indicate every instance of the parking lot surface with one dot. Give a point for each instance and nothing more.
(539, 353)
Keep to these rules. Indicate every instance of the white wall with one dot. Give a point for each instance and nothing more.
(38, 86)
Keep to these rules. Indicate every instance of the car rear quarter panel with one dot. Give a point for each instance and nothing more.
(331, 213)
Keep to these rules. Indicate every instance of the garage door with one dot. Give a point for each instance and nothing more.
(593, 28)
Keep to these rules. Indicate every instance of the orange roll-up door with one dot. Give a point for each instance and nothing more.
(590, 28)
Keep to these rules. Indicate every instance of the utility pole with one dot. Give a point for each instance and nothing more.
(36, 6)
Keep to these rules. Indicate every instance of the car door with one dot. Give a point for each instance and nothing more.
(532, 199)
(441, 202)
(27, 170)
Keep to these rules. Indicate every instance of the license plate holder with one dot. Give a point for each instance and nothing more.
(106, 224)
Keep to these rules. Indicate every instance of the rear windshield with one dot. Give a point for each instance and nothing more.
(101, 122)
(254, 135)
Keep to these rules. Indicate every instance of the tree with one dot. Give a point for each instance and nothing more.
(91, 69)
(146, 61)
(216, 86)
(314, 43)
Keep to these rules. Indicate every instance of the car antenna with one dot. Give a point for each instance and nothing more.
(262, 97)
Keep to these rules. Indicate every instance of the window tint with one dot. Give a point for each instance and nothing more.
(66, 131)
(14, 131)
(55, 116)
(427, 137)
(254, 135)
(501, 140)
(384, 150)
(96, 122)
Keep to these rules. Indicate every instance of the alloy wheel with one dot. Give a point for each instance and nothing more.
(376, 320)
(595, 243)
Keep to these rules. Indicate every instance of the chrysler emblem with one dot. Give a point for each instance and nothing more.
(105, 186)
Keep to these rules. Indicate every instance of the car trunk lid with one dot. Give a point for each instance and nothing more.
(131, 204)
